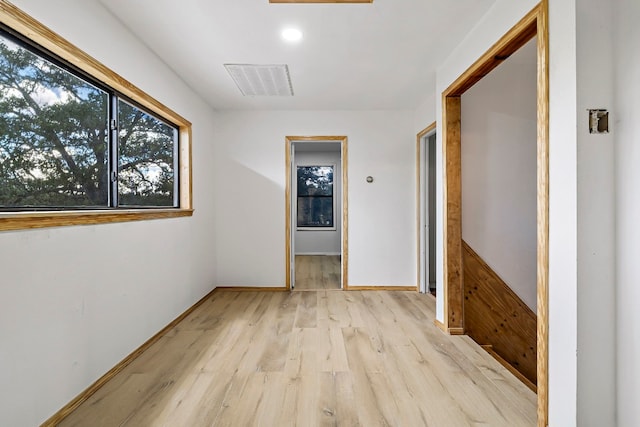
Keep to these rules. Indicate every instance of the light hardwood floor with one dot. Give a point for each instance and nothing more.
(316, 358)
(317, 272)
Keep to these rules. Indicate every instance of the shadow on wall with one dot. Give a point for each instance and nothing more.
(250, 228)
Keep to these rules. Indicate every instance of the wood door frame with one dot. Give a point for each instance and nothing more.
(344, 257)
(419, 202)
(535, 23)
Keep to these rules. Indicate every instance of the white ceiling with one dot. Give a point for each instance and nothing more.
(352, 57)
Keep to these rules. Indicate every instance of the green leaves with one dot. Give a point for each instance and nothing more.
(54, 140)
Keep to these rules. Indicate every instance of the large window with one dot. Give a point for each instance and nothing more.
(315, 197)
(67, 142)
(79, 144)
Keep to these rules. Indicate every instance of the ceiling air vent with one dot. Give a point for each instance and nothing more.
(261, 80)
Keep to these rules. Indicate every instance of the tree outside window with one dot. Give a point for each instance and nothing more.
(315, 207)
(65, 144)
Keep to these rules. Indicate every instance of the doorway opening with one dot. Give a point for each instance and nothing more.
(426, 214)
(316, 213)
(533, 24)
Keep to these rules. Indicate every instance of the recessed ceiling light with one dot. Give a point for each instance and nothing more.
(292, 34)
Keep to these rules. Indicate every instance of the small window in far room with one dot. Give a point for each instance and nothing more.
(315, 207)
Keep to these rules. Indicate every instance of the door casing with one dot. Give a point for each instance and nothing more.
(534, 24)
(422, 205)
(289, 229)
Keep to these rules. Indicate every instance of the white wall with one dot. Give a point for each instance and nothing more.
(499, 171)
(250, 179)
(562, 214)
(76, 300)
(596, 218)
(425, 114)
(626, 127)
(319, 241)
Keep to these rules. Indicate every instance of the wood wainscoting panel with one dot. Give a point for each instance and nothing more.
(495, 315)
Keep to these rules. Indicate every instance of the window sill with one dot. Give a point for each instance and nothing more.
(29, 220)
(316, 229)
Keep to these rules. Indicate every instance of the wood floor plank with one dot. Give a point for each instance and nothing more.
(515, 392)
(277, 334)
(251, 397)
(219, 402)
(302, 355)
(313, 358)
(333, 310)
(336, 405)
(353, 310)
(458, 373)
(327, 400)
(437, 407)
(307, 313)
(332, 354)
(317, 272)
(301, 391)
(346, 403)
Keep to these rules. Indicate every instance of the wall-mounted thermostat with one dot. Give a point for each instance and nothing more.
(598, 121)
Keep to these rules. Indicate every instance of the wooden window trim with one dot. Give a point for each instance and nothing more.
(24, 24)
(320, 1)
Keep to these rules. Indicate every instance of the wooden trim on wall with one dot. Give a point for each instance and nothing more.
(419, 137)
(252, 289)
(543, 213)
(344, 151)
(21, 22)
(489, 349)
(448, 331)
(186, 171)
(16, 19)
(535, 23)
(345, 214)
(382, 288)
(320, 1)
(66, 410)
(31, 220)
(452, 226)
(287, 215)
(508, 44)
(440, 326)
